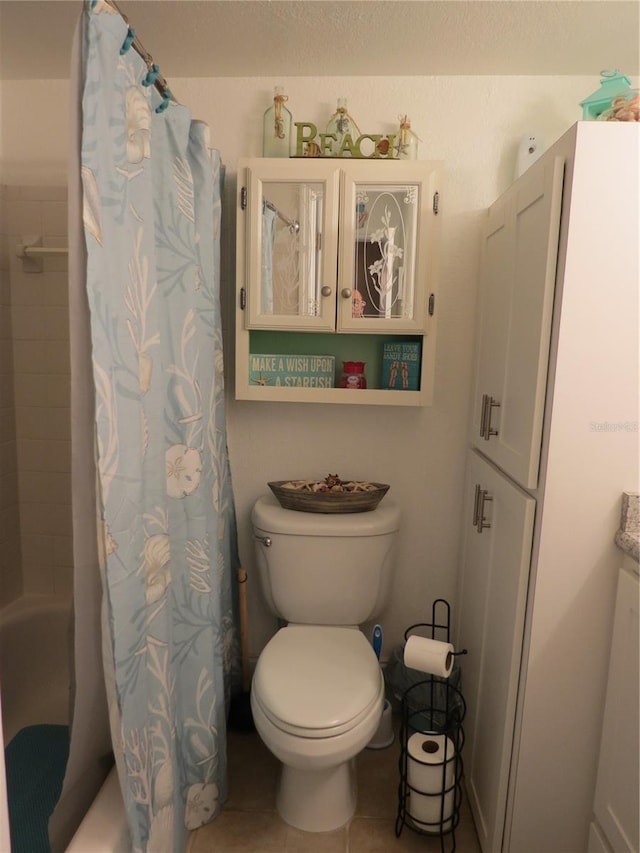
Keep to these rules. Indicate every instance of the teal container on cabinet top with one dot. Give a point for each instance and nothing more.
(612, 85)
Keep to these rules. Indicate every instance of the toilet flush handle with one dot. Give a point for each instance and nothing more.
(266, 541)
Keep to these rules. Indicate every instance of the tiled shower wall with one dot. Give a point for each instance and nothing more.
(41, 389)
(10, 560)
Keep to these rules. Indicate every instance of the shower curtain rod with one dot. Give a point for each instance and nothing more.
(294, 226)
(160, 83)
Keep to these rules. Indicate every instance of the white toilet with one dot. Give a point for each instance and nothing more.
(317, 692)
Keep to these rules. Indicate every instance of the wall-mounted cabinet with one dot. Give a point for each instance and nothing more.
(335, 259)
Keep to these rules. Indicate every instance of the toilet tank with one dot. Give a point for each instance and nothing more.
(318, 569)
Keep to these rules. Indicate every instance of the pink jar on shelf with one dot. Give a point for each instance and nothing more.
(353, 375)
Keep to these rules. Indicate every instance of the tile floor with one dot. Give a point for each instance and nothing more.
(249, 821)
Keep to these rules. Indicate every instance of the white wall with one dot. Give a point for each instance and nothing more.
(10, 558)
(474, 124)
(41, 383)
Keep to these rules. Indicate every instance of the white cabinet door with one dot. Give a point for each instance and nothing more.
(497, 536)
(596, 842)
(288, 241)
(617, 789)
(288, 237)
(517, 287)
(387, 246)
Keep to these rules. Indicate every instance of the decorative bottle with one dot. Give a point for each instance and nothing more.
(276, 132)
(340, 125)
(353, 375)
(408, 141)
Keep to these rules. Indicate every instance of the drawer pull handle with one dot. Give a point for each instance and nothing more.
(479, 519)
(488, 404)
(476, 503)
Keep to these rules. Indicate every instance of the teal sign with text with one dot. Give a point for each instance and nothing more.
(292, 371)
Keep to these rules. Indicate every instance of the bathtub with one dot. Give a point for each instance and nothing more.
(34, 662)
(104, 828)
(35, 654)
(34, 673)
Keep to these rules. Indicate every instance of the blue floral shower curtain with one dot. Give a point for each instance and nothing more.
(151, 213)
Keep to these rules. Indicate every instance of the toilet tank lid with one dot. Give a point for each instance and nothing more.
(269, 516)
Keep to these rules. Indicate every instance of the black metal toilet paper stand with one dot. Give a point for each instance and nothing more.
(432, 713)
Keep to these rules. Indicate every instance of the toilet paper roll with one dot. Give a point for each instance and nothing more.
(430, 656)
(431, 777)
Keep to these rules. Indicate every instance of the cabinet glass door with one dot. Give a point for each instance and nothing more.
(384, 224)
(293, 227)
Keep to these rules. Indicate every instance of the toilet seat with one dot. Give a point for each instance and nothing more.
(317, 681)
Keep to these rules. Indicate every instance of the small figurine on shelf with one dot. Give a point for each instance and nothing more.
(408, 141)
(357, 304)
(344, 129)
(276, 131)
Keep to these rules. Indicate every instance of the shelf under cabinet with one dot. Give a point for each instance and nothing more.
(365, 348)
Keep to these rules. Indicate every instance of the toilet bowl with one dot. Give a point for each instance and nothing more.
(317, 694)
(317, 698)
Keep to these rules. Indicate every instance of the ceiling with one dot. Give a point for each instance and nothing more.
(278, 38)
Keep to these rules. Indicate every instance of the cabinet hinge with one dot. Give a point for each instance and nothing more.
(436, 202)
(243, 298)
(243, 198)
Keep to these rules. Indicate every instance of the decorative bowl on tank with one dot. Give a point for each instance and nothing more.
(331, 495)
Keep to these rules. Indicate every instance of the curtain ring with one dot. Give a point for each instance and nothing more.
(128, 41)
(152, 75)
(166, 97)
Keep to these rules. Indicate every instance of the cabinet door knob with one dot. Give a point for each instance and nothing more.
(346, 293)
(326, 290)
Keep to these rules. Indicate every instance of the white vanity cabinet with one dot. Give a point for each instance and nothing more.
(336, 258)
(520, 246)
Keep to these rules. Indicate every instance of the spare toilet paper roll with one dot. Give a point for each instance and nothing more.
(431, 656)
(431, 777)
